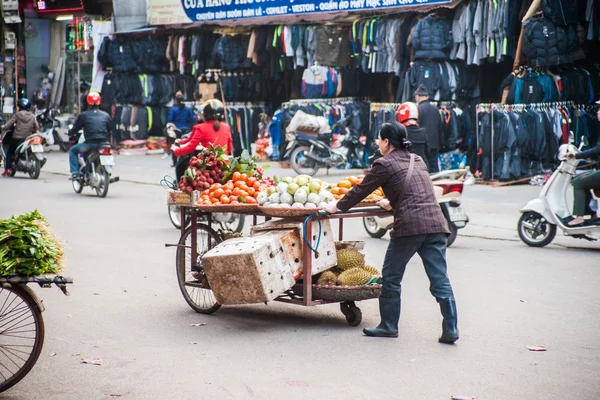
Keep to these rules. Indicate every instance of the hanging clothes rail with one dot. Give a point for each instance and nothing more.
(334, 100)
(537, 140)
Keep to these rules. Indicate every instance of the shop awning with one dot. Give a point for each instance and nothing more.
(175, 16)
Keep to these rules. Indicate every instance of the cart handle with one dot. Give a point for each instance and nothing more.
(323, 213)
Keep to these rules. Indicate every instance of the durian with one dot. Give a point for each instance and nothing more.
(350, 258)
(372, 270)
(327, 278)
(353, 277)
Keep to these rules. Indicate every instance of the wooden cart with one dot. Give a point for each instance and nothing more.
(199, 238)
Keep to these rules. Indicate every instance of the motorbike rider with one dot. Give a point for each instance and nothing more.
(96, 125)
(582, 186)
(24, 124)
(183, 117)
(408, 115)
(211, 131)
(419, 227)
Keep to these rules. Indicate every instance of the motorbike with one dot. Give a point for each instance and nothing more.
(49, 125)
(226, 221)
(29, 156)
(448, 187)
(307, 154)
(95, 169)
(541, 217)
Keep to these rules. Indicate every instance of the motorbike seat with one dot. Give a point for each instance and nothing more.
(582, 174)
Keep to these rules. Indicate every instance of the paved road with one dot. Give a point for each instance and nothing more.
(126, 309)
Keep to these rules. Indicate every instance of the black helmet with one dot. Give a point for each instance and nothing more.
(24, 104)
(213, 109)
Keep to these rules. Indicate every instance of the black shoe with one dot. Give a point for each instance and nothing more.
(75, 177)
(450, 322)
(389, 309)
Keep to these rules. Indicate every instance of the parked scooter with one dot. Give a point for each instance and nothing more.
(307, 154)
(226, 221)
(28, 158)
(541, 216)
(448, 187)
(95, 169)
(49, 125)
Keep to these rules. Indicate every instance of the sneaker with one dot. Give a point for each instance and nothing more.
(7, 172)
(75, 177)
(165, 156)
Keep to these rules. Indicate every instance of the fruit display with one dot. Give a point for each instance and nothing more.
(299, 192)
(345, 185)
(205, 169)
(240, 189)
(350, 271)
(353, 277)
(327, 278)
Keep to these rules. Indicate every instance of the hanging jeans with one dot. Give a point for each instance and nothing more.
(581, 189)
(432, 250)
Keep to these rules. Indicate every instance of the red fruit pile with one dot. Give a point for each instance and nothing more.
(205, 169)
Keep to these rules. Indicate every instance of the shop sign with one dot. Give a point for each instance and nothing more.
(164, 12)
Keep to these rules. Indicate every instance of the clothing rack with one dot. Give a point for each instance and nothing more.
(235, 104)
(517, 107)
(335, 100)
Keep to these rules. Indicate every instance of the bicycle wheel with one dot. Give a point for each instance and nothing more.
(21, 335)
(190, 275)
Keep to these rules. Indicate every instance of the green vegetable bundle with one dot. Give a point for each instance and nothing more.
(28, 247)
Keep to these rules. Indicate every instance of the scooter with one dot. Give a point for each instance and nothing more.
(541, 217)
(29, 156)
(308, 154)
(49, 124)
(448, 187)
(96, 169)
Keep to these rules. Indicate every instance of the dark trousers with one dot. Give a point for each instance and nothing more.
(432, 250)
(581, 189)
(434, 164)
(10, 148)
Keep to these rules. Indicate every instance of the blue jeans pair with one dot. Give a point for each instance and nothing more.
(74, 153)
(432, 250)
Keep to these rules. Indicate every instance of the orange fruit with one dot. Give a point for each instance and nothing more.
(235, 203)
(232, 199)
(236, 176)
(219, 193)
(239, 184)
(214, 200)
(228, 192)
(250, 191)
(344, 190)
(236, 192)
(256, 195)
(335, 190)
(256, 186)
(251, 200)
(251, 181)
(345, 184)
(224, 199)
(243, 193)
(354, 180)
(244, 177)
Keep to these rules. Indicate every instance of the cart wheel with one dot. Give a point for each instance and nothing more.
(193, 282)
(352, 313)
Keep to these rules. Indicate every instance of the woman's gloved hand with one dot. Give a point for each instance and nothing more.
(331, 208)
(385, 204)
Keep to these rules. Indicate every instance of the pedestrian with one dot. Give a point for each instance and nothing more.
(408, 115)
(431, 120)
(419, 227)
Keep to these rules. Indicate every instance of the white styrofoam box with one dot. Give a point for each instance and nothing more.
(247, 270)
(291, 242)
(327, 256)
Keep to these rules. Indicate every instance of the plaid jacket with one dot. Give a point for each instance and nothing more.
(418, 213)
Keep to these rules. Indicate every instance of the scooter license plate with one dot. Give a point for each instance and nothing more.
(37, 148)
(107, 160)
(457, 214)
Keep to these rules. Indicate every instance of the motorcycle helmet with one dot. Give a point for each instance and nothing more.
(94, 99)
(24, 104)
(407, 111)
(213, 110)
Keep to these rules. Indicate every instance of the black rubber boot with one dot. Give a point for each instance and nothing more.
(389, 309)
(450, 322)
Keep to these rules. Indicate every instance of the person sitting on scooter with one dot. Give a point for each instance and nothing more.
(419, 227)
(582, 186)
(211, 131)
(24, 124)
(96, 125)
(183, 117)
(408, 115)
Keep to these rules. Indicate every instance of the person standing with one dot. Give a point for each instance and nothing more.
(419, 228)
(430, 119)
